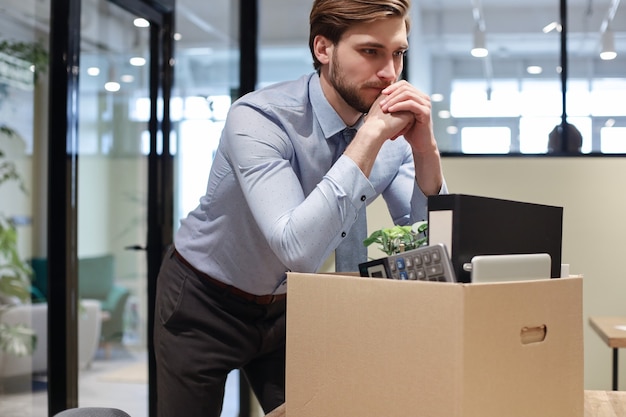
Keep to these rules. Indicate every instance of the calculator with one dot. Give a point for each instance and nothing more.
(426, 263)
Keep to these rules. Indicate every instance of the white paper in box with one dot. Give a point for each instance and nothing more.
(361, 347)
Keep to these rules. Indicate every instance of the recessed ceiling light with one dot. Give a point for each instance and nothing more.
(137, 61)
(444, 114)
(141, 23)
(436, 97)
(452, 130)
(552, 26)
(93, 71)
(127, 78)
(534, 69)
(112, 86)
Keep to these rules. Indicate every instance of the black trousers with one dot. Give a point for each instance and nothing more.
(201, 333)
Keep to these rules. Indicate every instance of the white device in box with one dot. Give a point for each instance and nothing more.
(491, 268)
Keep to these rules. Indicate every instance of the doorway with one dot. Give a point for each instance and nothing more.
(113, 216)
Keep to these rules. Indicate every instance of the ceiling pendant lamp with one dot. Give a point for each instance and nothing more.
(480, 47)
(608, 45)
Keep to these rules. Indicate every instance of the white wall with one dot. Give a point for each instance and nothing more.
(591, 191)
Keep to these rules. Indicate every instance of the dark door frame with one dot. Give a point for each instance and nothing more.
(62, 181)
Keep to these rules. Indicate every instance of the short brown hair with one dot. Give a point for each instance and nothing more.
(331, 18)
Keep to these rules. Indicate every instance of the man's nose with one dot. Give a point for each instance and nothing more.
(388, 71)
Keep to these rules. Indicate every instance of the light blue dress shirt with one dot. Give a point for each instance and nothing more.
(277, 200)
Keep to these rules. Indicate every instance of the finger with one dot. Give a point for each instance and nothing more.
(403, 121)
(393, 87)
(403, 99)
(419, 110)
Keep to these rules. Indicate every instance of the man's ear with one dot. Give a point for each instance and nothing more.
(323, 49)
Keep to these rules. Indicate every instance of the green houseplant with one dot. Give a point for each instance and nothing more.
(15, 273)
(398, 239)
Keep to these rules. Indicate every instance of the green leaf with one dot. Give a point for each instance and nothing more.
(18, 340)
(15, 274)
(375, 237)
(395, 239)
(420, 227)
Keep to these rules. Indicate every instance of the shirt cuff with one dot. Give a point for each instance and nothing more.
(355, 184)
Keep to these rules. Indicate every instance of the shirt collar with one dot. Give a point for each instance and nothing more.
(328, 119)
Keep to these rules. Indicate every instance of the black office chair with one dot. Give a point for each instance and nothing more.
(92, 412)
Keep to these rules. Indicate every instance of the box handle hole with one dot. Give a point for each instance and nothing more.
(533, 334)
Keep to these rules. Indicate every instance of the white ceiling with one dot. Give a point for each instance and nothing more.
(512, 27)
(441, 28)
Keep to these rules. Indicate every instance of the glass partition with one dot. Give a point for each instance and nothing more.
(23, 196)
(518, 84)
(113, 144)
(514, 93)
(206, 83)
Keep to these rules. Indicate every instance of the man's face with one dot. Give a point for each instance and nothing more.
(368, 58)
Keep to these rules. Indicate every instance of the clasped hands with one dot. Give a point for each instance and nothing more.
(403, 110)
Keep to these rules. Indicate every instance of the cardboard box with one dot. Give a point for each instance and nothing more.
(368, 347)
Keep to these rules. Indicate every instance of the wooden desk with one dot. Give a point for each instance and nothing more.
(597, 404)
(613, 331)
(605, 403)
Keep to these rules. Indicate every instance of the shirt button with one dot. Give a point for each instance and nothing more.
(363, 198)
(343, 234)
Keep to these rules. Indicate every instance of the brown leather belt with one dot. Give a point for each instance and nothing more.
(256, 299)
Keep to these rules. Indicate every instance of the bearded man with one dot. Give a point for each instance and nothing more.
(296, 164)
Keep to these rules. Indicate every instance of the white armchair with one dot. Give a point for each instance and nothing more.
(36, 317)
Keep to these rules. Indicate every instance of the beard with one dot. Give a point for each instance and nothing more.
(348, 91)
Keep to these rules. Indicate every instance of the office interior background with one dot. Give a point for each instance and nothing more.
(492, 115)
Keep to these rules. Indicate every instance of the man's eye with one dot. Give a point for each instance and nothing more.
(369, 51)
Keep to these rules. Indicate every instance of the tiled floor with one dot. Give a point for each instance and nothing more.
(117, 381)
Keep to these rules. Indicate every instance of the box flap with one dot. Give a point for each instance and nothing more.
(523, 346)
(352, 337)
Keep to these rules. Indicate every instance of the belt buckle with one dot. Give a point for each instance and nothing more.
(265, 299)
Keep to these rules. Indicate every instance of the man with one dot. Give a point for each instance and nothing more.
(283, 192)
(573, 136)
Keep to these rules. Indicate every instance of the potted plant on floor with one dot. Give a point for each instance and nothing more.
(15, 273)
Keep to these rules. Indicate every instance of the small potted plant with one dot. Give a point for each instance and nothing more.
(397, 239)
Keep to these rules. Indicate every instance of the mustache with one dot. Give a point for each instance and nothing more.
(380, 86)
